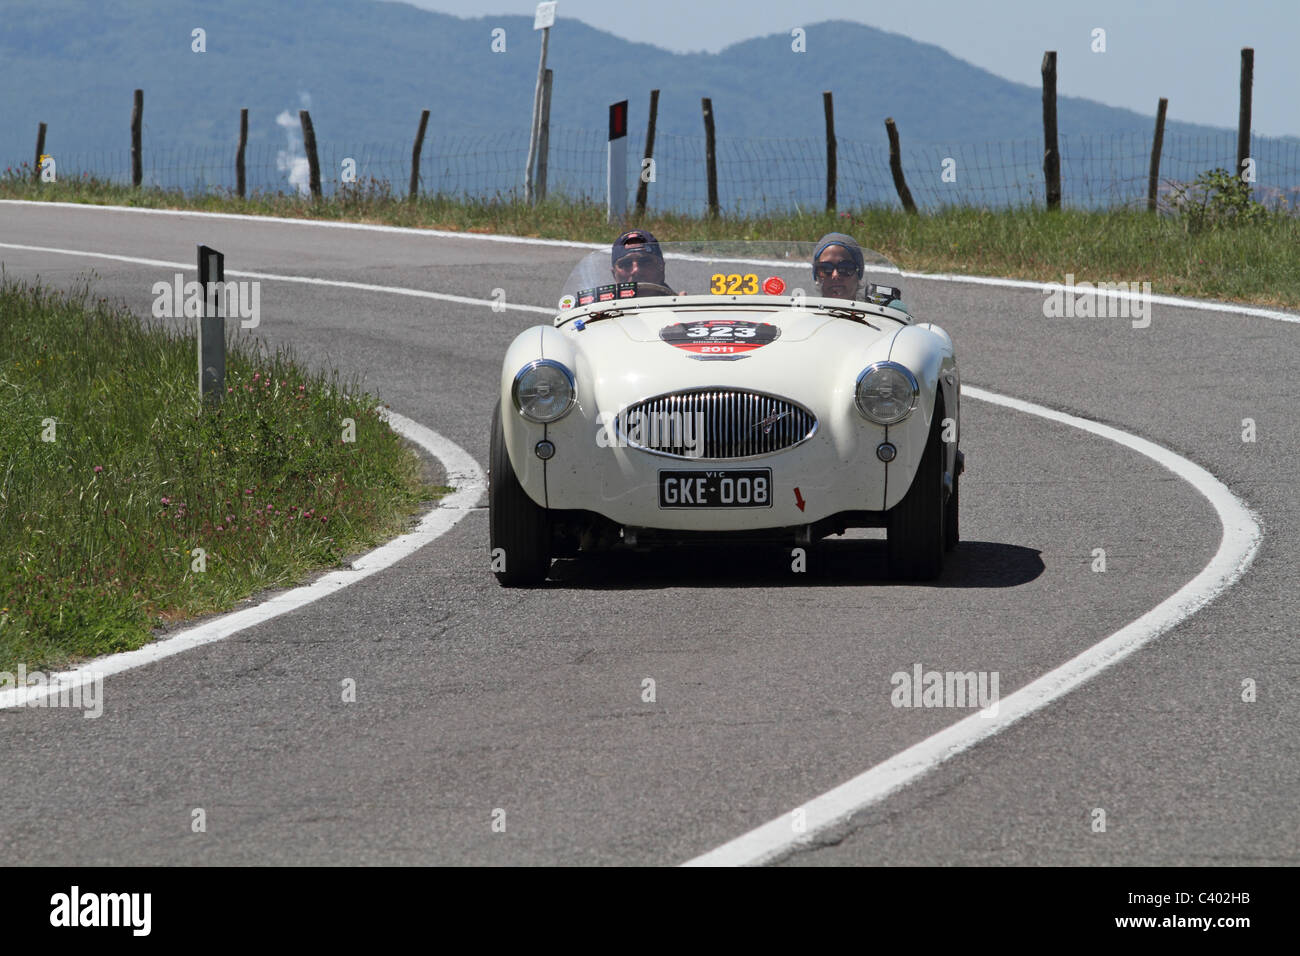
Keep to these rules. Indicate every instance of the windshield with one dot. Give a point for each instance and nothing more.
(774, 271)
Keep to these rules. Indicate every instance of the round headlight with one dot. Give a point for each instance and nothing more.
(543, 391)
(886, 393)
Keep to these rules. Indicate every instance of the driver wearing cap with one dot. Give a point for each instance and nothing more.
(636, 257)
(838, 265)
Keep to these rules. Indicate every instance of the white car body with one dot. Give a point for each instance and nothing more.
(828, 477)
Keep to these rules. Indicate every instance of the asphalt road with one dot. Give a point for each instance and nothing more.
(771, 687)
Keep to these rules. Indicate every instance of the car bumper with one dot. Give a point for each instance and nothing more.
(835, 471)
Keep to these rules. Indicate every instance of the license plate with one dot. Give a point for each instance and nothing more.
(740, 488)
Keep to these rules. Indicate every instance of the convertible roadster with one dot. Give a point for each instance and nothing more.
(733, 401)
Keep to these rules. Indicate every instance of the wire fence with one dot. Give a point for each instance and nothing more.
(755, 176)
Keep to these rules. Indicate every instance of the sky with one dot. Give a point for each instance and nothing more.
(1186, 50)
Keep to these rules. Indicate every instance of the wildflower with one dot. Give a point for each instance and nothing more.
(98, 469)
(248, 491)
(166, 501)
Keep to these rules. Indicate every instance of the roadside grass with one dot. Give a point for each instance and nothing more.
(1256, 262)
(114, 477)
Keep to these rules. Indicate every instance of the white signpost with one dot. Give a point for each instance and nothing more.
(542, 20)
(616, 164)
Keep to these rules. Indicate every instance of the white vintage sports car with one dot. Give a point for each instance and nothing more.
(731, 401)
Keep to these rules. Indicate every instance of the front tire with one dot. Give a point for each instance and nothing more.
(951, 516)
(517, 526)
(916, 537)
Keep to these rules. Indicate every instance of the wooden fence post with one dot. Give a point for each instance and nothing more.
(544, 137)
(40, 151)
(1051, 147)
(415, 155)
(137, 159)
(710, 156)
(643, 188)
(896, 167)
(1243, 112)
(309, 145)
(240, 179)
(829, 107)
(1154, 178)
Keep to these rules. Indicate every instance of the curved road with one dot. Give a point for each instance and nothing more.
(770, 687)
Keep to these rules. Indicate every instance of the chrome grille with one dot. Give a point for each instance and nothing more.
(734, 424)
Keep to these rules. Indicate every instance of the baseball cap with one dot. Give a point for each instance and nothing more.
(635, 240)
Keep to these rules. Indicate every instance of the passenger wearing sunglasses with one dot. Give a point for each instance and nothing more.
(636, 257)
(837, 266)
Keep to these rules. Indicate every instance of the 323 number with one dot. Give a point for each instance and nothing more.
(733, 284)
(721, 331)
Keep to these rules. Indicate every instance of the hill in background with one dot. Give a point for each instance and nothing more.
(366, 69)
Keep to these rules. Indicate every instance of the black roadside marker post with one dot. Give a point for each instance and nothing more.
(212, 327)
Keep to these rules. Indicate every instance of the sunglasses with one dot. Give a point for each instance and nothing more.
(642, 259)
(844, 268)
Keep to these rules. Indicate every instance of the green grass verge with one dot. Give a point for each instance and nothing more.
(1257, 262)
(114, 475)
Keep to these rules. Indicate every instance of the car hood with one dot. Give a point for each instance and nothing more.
(645, 326)
(813, 359)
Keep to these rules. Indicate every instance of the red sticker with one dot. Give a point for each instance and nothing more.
(773, 285)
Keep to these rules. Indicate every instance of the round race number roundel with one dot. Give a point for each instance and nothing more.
(719, 336)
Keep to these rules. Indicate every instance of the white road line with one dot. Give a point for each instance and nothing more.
(1042, 287)
(320, 223)
(1237, 548)
(463, 473)
(1047, 287)
(273, 277)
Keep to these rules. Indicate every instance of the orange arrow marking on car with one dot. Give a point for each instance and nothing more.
(798, 499)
